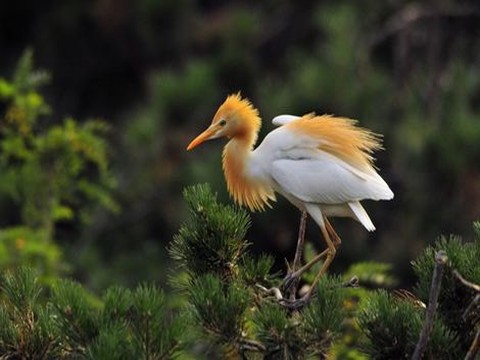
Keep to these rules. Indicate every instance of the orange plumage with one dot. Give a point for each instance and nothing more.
(340, 137)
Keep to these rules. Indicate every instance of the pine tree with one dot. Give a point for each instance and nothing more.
(70, 323)
(392, 324)
(224, 285)
(220, 308)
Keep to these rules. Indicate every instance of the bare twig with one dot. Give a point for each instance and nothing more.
(440, 261)
(466, 282)
(470, 307)
(272, 291)
(413, 13)
(474, 348)
(251, 345)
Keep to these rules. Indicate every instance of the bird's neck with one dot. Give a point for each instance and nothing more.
(247, 125)
(246, 190)
(236, 158)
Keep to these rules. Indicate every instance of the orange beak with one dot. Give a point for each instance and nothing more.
(204, 136)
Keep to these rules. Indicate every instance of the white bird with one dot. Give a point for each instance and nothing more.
(322, 164)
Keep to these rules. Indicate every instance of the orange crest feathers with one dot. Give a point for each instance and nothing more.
(245, 116)
(235, 102)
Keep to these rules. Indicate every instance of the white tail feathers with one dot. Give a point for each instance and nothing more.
(361, 215)
(281, 120)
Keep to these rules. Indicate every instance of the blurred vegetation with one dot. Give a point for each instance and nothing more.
(49, 173)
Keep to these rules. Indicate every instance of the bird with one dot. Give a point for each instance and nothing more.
(322, 164)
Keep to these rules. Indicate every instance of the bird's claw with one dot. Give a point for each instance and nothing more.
(297, 303)
(275, 291)
(289, 268)
(291, 304)
(290, 281)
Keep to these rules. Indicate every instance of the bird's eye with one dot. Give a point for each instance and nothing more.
(222, 122)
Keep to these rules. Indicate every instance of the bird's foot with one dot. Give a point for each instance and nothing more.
(354, 282)
(290, 282)
(275, 291)
(291, 304)
(296, 304)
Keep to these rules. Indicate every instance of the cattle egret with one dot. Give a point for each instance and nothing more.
(322, 164)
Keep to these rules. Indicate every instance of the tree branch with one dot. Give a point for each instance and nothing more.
(466, 282)
(475, 347)
(440, 261)
(413, 13)
(252, 345)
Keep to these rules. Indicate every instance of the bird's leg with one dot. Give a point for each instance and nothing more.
(291, 280)
(291, 289)
(301, 240)
(329, 255)
(292, 277)
(336, 239)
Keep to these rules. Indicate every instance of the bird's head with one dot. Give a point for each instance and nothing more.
(235, 118)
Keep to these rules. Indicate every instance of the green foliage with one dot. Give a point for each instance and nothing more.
(454, 297)
(225, 302)
(337, 57)
(148, 318)
(228, 308)
(228, 315)
(77, 316)
(26, 327)
(24, 245)
(71, 323)
(219, 308)
(372, 274)
(278, 332)
(50, 173)
(212, 238)
(110, 344)
(393, 325)
(323, 318)
(306, 333)
(257, 270)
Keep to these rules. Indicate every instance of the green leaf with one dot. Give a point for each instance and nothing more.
(6, 89)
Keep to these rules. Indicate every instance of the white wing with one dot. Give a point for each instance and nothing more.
(299, 168)
(325, 179)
